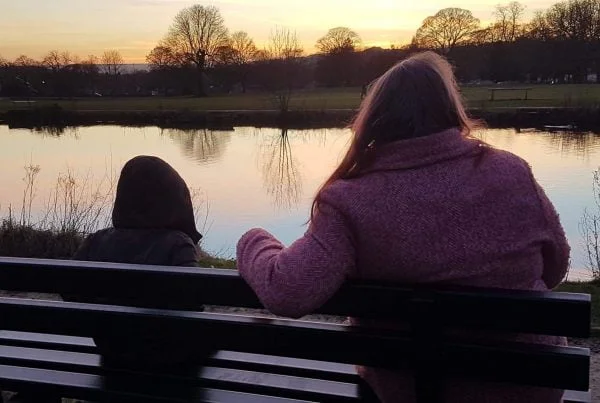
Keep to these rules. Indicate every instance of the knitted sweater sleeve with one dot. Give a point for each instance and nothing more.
(555, 250)
(296, 280)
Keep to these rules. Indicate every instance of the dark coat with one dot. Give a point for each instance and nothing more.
(155, 247)
(153, 224)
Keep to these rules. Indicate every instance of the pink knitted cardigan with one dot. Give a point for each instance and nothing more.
(444, 209)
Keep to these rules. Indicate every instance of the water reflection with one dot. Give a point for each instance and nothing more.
(245, 173)
(201, 145)
(580, 144)
(281, 176)
(314, 137)
(53, 131)
(574, 143)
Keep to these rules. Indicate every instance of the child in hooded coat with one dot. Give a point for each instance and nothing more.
(153, 223)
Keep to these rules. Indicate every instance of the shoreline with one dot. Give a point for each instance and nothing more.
(559, 118)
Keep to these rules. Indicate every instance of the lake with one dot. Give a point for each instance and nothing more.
(252, 177)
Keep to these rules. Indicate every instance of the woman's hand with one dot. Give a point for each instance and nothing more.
(295, 281)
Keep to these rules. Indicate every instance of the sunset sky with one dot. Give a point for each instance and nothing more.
(84, 27)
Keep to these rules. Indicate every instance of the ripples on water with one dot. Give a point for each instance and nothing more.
(267, 177)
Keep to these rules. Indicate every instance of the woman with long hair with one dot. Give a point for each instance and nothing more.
(416, 199)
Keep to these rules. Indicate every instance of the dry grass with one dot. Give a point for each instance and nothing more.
(589, 226)
(77, 206)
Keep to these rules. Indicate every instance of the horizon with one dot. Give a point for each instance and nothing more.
(134, 27)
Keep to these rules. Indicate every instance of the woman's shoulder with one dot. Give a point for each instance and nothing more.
(499, 156)
(342, 190)
(502, 170)
(501, 163)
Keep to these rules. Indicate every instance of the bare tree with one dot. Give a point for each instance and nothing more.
(225, 56)
(90, 65)
(509, 18)
(113, 62)
(339, 64)
(589, 227)
(197, 34)
(25, 61)
(569, 20)
(446, 29)
(160, 58)
(85, 74)
(284, 45)
(507, 27)
(112, 65)
(3, 62)
(25, 71)
(573, 27)
(283, 52)
(161, 61)
(339, 40)
(56, 60)
(91, 60)
(262, 55)
(537, 28)
(243, 46)
(244, 52)
(484, 35)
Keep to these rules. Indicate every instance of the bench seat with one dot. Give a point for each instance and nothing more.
(73, 362)
(71, 365)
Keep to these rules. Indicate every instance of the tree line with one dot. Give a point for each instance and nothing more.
(198, 55)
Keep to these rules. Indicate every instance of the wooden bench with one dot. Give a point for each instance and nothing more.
(512, 89)
(45, 345)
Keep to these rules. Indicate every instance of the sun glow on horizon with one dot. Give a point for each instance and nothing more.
(34, 27)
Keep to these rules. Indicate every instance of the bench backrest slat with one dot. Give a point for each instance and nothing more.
(549, 313)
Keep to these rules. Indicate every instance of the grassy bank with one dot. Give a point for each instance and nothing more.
(26, 241)
(568, 95)
(54, 117)
(575, 105)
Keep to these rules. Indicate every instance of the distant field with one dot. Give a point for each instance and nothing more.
(322, 99)
(539, 95)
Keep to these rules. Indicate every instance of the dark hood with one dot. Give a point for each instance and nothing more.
(152, 195)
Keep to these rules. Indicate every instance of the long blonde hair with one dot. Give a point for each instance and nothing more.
(417, 97)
